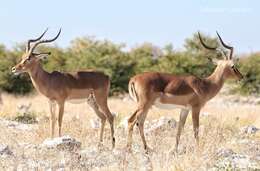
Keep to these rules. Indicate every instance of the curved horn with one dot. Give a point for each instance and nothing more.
(204, 45)
(226, 46)
(34, 40)
(45, 41)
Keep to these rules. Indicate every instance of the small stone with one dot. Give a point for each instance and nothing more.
(257, 101)
(250, 129)
(62, 143)
(225, 152)
(95, 123)
(161, 123)
(205, 114)
(23, 108)
(5, 150)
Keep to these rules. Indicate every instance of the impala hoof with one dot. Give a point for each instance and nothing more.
(148, 150)
(113, 142)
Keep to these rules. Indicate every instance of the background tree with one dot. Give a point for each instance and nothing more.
(88, 53)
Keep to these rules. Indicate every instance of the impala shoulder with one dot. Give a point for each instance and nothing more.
(200, 86)
(193, 79)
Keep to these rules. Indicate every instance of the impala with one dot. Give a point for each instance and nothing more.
(184, 92)
(58, 87)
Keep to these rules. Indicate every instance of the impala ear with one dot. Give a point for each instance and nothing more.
(43, 56)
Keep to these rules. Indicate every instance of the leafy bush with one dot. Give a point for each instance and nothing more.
(9, 82)
(103, 55)
(26, 118)
(250, 68)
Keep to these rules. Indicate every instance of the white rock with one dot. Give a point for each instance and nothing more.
(114, 114)
(62, 143)
(161, 123)
(205, 114)
(89, 152)
(250, 129)
(5, 150)
(95, 123)
(24, 108)
(225, 152)
(237, 162)
(16, 125)
(257, 101)
(229, 160)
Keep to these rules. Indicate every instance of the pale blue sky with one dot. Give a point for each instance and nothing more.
(133, 22)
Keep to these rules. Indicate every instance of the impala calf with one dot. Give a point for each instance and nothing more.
(184, 92)
(90, 86)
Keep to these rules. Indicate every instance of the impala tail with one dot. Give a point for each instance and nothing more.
(132, 91)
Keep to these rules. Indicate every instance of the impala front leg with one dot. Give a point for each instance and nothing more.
(140, 123)
(52, 106)
(183, 116)
(61, 111)
(195, 121)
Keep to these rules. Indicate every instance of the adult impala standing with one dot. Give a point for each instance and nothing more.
(59, 87)
(184, 92)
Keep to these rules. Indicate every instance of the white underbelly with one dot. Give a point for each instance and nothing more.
(169, 106)
(77, 101)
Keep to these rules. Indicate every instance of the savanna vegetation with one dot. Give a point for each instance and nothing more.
(120, 64)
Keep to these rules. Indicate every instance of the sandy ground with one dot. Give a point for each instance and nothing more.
(220, 121)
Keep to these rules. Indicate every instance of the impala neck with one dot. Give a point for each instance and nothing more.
(216, 80)
(39, 78)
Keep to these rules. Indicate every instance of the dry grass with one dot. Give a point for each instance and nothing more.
(217, 130)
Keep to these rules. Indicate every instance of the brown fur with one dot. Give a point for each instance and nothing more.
(59, 87)
(188, 91)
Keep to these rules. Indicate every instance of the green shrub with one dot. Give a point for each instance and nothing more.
(26, 118)
(250, 68)
(103, 55)
(8, 81)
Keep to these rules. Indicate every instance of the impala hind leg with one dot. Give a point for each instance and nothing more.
(138, 118)
(131, 124)
(101, 99)
(52, 105)
(61, 111)
(183, 116)
(93, 104)
(141, 116)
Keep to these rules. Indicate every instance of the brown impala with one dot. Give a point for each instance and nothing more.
(59, 87)
(184, 92)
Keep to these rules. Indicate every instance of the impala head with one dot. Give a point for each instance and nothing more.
(227, 63)
(30, 57)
